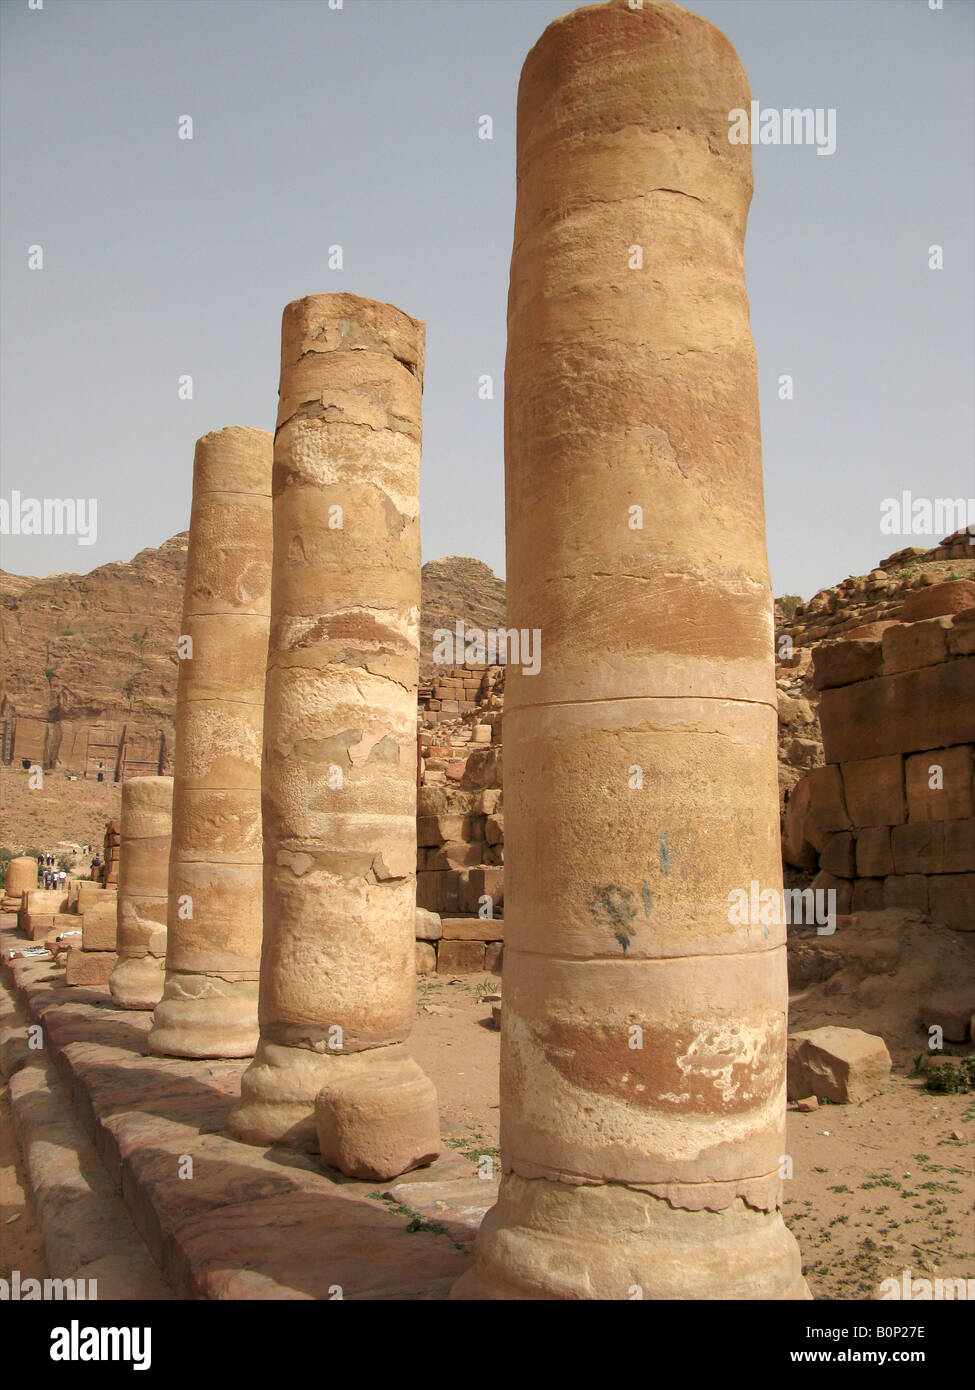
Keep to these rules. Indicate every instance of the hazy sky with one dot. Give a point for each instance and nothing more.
(358, 127)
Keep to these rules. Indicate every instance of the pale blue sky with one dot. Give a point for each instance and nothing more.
(359, 127)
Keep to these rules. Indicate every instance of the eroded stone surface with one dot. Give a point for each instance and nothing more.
(644, 1028)
(339, 780)
(209, 1004)
(146, 825)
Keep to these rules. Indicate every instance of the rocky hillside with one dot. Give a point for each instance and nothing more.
(100, 648)
(457, 589)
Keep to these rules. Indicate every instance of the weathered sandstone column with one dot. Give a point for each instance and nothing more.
(21, 878)
(337, 969)
(146, 827)
(643, 1035)
(213, 954)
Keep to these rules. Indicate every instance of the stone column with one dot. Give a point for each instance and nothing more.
(337, 969)
(21, 878)
(213, 955)
(643, 1035)
(146, 827)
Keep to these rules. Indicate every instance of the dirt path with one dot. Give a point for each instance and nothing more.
(21, 1246)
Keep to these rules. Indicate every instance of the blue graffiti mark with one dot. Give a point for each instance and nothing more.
(620, 910)
(647, 900)
(665, 853)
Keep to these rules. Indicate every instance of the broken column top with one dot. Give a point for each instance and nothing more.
(351, 323)
(231, 460)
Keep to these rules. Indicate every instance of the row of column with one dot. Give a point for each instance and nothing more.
(643, 1037)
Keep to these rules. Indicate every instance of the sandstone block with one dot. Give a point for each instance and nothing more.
(842, 887)
(843, 663)
(88, 967)
(908, 646)
(479, 884)
(484, 768)
(874, 858)
(950, 597)
(843, 1065)
(428, 925)
(38, 924)
(799, 848)
(827, 805)
(99, 927)
(868, 895)
(906, 890)
(494, 829)
(377, 1118)
(934, 847)
(933, 707)
(493, 957)
(952, 900)
(460, 957)
(456, 855)
(426, 958)
(488, 801)
(839, 855)
(961, 634)
(939, 784)
(473, 929)
(950, 1011)
(874, 790)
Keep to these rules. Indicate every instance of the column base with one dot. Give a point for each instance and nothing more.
(377, 1115)
(552, 1240)
(279, 1105)
(205, 1016)
(137, 982)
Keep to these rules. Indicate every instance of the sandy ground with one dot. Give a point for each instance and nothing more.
(876, 1188)
(21, 1246)
(61, 809)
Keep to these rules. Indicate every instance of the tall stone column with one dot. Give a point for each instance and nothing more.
(213, 956)
(146, 827)
(337, 969)
(643, 1034)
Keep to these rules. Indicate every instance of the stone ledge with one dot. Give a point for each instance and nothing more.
(249, 1223)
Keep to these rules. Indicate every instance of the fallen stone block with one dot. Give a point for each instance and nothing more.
(428, 925)
(951, 1012)
(842, 1065)
(89, 967)
(426, 957)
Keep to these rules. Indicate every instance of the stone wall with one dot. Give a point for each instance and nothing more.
(891, 815)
